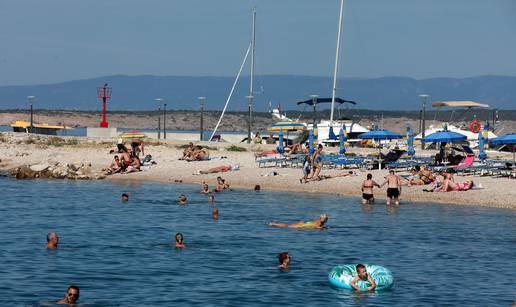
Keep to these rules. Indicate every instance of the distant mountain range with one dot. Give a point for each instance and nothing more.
(134, 93)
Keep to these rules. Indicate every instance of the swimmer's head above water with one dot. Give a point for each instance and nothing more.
(179, 240)
(125, 197)
(182, 199)
(71, 296)
(323, 218)
(284, 260)
(52, 240)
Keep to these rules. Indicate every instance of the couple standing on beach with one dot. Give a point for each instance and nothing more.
(393, 183)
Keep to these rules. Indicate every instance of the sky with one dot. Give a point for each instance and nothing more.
(60, 40)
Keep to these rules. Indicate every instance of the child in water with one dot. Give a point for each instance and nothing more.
(362, 275)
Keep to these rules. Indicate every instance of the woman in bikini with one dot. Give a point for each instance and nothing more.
(367, 190)
(315, 224)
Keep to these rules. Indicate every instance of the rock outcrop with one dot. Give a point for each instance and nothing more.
(57, 170)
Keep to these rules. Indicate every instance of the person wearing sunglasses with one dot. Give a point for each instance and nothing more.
(71, 296)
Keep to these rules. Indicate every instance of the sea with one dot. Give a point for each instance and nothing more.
(122, 253)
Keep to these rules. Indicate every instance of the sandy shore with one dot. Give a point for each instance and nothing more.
(15, 150)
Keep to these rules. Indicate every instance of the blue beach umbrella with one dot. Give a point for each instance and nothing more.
(280, 147)
(443, 136)
(331, 134)
(342, 139)
(481, 141)
(410, 142)
(379, 135)
(311, 142)
(508, 139)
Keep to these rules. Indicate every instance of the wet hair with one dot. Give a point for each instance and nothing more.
(324, 218)
(50, 235)
(125, 195)
(360, 266)
(257, 187)
(181, 237)
(369, 176)
(75, 288)
(282, 256)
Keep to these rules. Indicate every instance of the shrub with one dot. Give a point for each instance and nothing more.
(235, 148)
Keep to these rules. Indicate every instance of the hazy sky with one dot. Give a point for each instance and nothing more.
(60, 40)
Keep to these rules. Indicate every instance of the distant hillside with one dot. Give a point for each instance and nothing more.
(180, 92)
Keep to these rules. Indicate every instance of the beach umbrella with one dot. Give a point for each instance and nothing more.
(331, 134)
(481, 141)
(443, 136)
(508, 139)
(410, 142)
(342, 139)
(379, 135)
(311, 141)
(133, 134)
(280, 147)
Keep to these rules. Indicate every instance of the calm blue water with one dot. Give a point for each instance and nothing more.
(120, 254)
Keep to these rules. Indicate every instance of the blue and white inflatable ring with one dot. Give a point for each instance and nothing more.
(341, 275)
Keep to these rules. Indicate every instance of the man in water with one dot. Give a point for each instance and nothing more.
(362, 275)
(125, 197)
(71, 297)
(205, 189)
(316, 224)
(182, 200)
(179, 240)
(52, 240)
(215, 213)
(284, 260)
(393, 187)
(257, 187)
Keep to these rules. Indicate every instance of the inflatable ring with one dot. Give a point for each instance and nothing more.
(341, 275)
(475, 126)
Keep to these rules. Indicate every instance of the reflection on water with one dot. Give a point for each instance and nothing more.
(123, 254)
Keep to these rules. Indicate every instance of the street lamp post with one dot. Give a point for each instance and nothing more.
(165, 121)
(314, 103)
(202, 101)
(31, 100)
(249, 105)
(158, 101)
(424, 99)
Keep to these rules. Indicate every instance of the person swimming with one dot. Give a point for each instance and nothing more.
(125, 197)
(211, 199)
(215, 213)
(315, 224)
(362, 275)
(205, 189)
(284, 260)
(71, 296)
(182, 199)
(52, 240)
(179, 240)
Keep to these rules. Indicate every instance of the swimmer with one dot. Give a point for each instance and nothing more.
(205, 189)
(284, 260)
(257, 187)
(182, 199)
(362, 275)
(215, 213)
(367, 190)
(179, 240)
(125, 197)
(221, 185)
(52, 240)
(393, 183)
(316, 224)
(211, 199)
(71, 297)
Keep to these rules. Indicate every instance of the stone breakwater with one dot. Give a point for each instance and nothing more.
(56, 170)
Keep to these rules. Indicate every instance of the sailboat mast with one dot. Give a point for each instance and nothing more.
(336, 67)
(250, 96)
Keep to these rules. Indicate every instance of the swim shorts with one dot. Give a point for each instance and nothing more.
(393, 192)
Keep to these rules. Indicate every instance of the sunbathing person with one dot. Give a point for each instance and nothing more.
(220, 169)
(345, 174)
(114, 167)
(198, 154)
(135, 165)
(449, 186)
(188, 151)
(315, 224)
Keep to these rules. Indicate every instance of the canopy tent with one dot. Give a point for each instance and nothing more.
(459, 104)
(443, 136)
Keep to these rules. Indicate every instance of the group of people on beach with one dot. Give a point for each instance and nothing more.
(195, 153)
(128, 160)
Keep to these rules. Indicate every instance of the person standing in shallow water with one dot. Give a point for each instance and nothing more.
(71, 296)
(52, 240)
(393, 183)
(367, 189)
